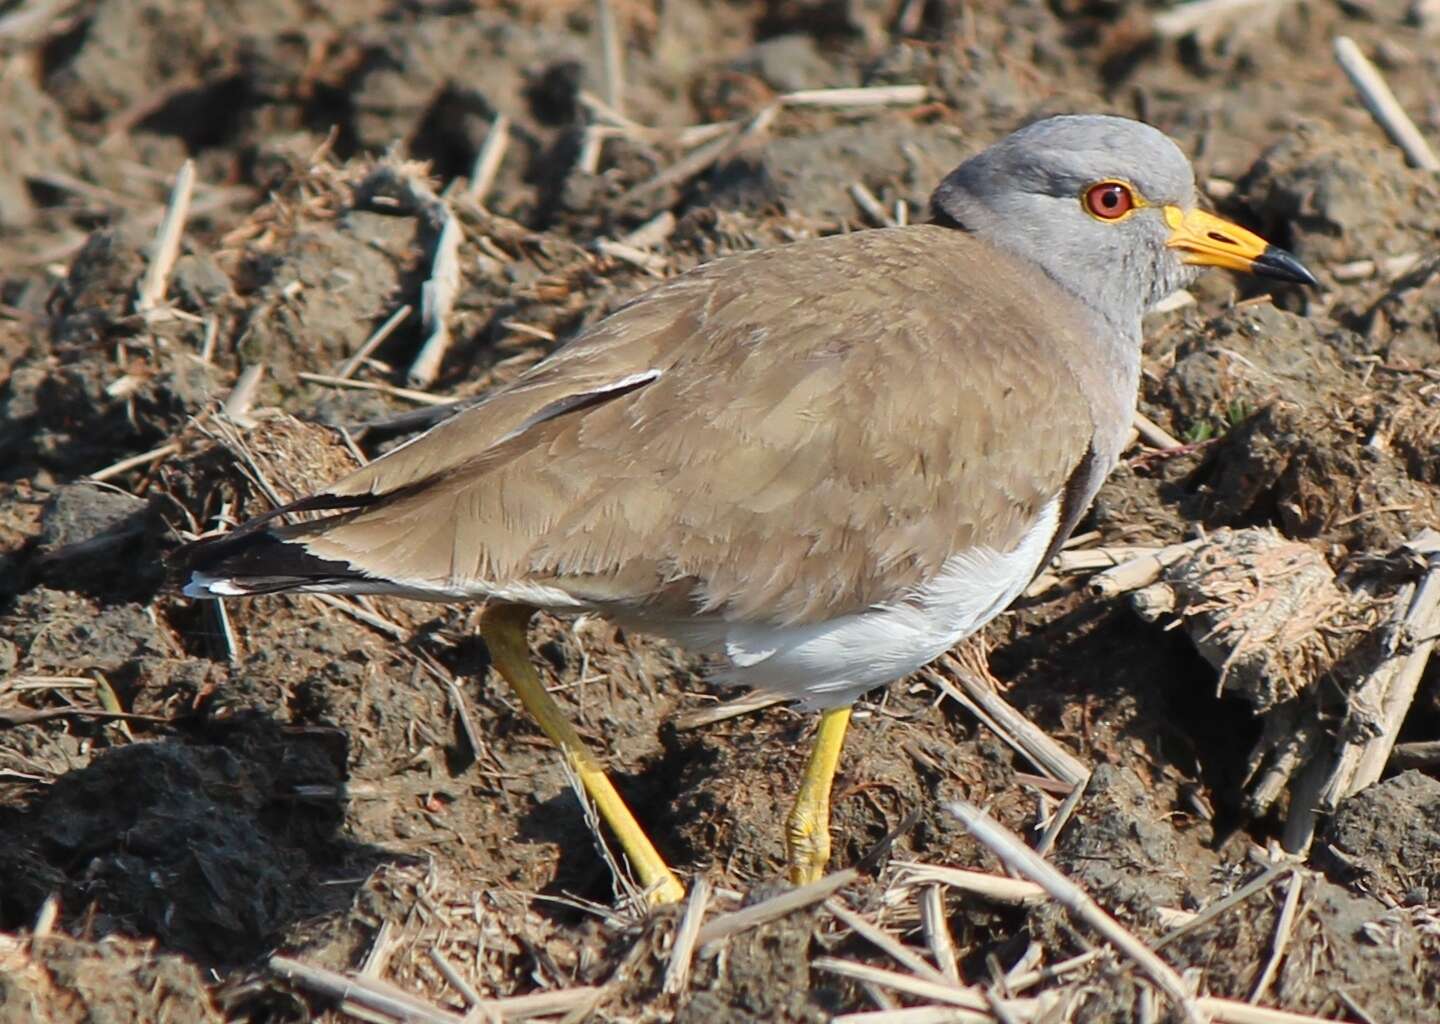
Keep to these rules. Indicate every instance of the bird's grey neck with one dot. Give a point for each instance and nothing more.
(1104, 358)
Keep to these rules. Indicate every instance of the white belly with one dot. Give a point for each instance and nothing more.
(831, 663)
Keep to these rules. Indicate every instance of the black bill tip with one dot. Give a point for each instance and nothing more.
(1277, 263)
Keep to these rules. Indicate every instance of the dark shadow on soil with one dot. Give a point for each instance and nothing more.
(1151, 686)
(652, 794)
(214, 844)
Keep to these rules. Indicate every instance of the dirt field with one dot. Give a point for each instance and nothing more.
(347, 785)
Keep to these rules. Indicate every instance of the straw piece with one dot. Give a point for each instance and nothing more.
(1178, 299)
(653, 232)
(1383, 105)
(744, 704)
(887, 943)
(348, 367)
(367, 992)
(1021, 859)
(996, 888)
(437, 298)
(1377, 707)
(704, 156)
(682, 954)
(419, 397)
(135, 461)
(1007, 723)
(1097, 559)
(1154, 434)
(1228, 1011)
(1214, 910)
(917, 1015)
(1283, 927)
(242, 395)
(870, 206)
(612, 55)
(937, 931)
(166, 247)
(1140, 571)
(774, 908)
(874, 96)
(1421, 628)
(956, 995)
(488, 160)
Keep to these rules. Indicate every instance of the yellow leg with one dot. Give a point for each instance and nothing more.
(807, 830)
(504, 630)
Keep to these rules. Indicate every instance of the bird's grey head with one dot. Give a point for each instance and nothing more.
(1104, 205)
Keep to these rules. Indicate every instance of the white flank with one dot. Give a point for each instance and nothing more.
(831, 663)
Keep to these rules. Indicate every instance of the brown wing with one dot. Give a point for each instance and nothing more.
(784, 435)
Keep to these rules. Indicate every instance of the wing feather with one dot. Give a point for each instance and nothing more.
(780, 436)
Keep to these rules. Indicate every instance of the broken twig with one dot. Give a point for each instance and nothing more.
(166, 247)
(1383, 105)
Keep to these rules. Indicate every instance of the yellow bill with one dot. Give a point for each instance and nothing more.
(1208, 240)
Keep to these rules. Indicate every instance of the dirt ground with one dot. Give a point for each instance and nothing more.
(348, 785)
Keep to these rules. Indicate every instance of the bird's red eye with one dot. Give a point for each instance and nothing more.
(1109, 200)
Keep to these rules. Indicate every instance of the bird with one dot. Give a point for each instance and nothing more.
(823, 463)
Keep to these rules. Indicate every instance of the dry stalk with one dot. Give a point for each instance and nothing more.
(437, 299)
(655, 231)
(233, 653)
(1229, 1011)
(705, 156)
(1020, 980)
(870, 206)
(885, 942)
(489, 159)
(1420, 630)
(1153, 433)
(996, 888)
(346, 607)
(1059, 821)
(1021, 859)
(1383, 105)
(1240, 895)
(418, 397)
(1207, 15)
(166, 248)
(136, 461)
(967, 997)
(682, 954)
(1180, 298)
(1284, 926)
(871, 96)
(575, 1003)
(1142, 570)
(648, 262)
(917, 1015)
(1071, 561)
(377, 338)
(937, 931)
(381, 949)
(612, 55)
(1378, 705)
(627, 889)
(242, 396)
(46, 917)
(732, 708)
(774, 908)
(960, 683)
(369, 993)
(455, 979)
